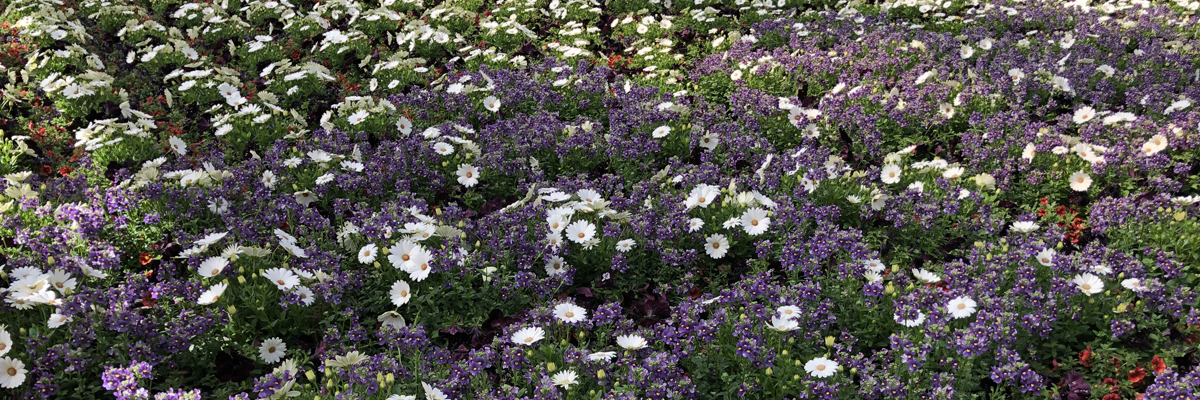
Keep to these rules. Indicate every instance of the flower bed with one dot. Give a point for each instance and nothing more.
(600, 200)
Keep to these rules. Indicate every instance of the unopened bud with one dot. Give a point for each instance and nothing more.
(785, 352)
(770, 371)
(231, 310)
(241, 279)
(390, 378)
(600, 374)
(795, 377)
(889, 289)
(310, 375)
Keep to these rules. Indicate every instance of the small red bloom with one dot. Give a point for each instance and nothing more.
(1158, 364)
(1112, 383)
(145, 258)
(1044, 200)
(1136, 375)
(1111, 396)
(1085, 357)
(64, 171)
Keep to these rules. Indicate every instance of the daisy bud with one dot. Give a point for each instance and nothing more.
(461, 223)
(231, 309)
(791, 340)
(797, 363)
(241, 269)
(1121, 275)
(1122, 307)
(564, 342)
(1059, 246)
(310, 375)
(225, 281)
(841, 368)
(241, 280)
(294, 187)
(390, 378)
(795, 377)
(376, 264)
(889, 289)
(600, 374)
(50, 260)
(437, 211)
(582, 335)
(770, 372)
(895, 268)
(383, 250)
(829, 341)
(909, 287)
(551, 367)
(784, 353)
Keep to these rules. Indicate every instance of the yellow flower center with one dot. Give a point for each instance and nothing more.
(962, 306)
(271, 349)
(280, 282)
(1086, 287)
(12, 371)
(403, 293)
(424, 266)
(701, 199)
(404, 257)
(754, 222)
(716, 245)
(468, 174)
(581, 235)
(569, 314)
(821, 367)
(528, 339)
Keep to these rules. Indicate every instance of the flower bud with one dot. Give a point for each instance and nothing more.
(889, 289)
(770, 371)
(376, 264)
(853, 371)
(795, 377)
(600, 374)
(829, 341)
(792, 340)
(231, 309)
(310, 375)
(785, 352)
(241, 279)
(50, 260)
(895, 268)
(797, 363)
(391, 378)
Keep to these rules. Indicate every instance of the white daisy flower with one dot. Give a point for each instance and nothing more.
(961, 307)
(1088, 284)
(1046, 257)
(12, 373)
(400, 293)
(366, 254)
(581, 231)
(632, 342)
(212, 266)
(556, 266)
(565, 379)
(716, 246)
(212, 294)
(569, 313)
(468, 175)
(821, 367)
(755, 221)
(1080, 181)
(271, 350)
(625, 245)
(283, 279)
(528, 336)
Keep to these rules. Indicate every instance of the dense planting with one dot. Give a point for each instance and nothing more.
(708, 199)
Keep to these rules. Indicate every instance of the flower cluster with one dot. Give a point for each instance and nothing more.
(561, 199)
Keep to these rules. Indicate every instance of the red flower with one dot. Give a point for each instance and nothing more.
(64, 171)
(145, 258)
(1111, 396)
(1044, 200)
(1138, 396)
(1136, 375)
(1085, 357)
(1158, 364)
(1112, 383)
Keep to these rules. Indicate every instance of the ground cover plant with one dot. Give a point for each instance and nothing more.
(583, 199)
